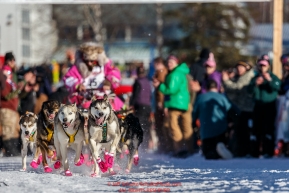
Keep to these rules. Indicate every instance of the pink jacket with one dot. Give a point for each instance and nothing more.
(74, 77)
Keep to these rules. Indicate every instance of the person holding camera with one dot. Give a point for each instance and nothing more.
(264, 87)
(236, 89)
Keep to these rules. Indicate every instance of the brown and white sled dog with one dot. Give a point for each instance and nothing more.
(28, 125)
(68, 132)
(45, 131)
(103, 127)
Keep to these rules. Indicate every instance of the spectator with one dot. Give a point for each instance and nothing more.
(177, 99)
(212, 109)
(141, 101)
(211, 74)
(236, 90)
(9, 115)
(282, 134)
(116, 103)
(285, 78)
(160, 119)
(198, 70)
(264, 87)
(9, 60)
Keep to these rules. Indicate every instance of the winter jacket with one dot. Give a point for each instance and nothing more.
(267, 92)
(78, 74)
(198, 71)
(212, 110)
(9, 97)
(141, 92)
(216, 76)
(237, 91)
(175, 88)
(284, 86)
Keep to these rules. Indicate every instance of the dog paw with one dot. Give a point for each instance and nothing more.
(112, 173)
(22, 170)
(95, 175)
(109, 159)
(121, 156)
(52, 156)
(135, 160)
(47, 169)
(39, 160)
(102, 165)
(89, 163)
(68, 173)
(117, 167)
(57, 165)
(126, 152)
(34, 164)
(81, 160)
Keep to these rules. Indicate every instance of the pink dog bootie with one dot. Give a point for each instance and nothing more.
(81, 160)
(68, 173)
(135, 160)
(102, 165)
(47, 169)
(109, 159)
(34, 164)
(39, 160)
(57, 164)
(54, 155)
(126, 151)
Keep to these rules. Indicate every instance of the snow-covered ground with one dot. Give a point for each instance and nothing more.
(194, 174)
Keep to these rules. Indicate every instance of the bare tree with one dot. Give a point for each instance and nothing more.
(159, 22)
(92, 14)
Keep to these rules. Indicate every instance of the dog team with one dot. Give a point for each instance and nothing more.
(58, 127)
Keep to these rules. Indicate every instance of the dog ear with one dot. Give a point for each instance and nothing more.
(20, 119)
(35, 117)
(93, 99)
(105, 97)
(73, 105)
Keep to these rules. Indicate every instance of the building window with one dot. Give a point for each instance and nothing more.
(26, 51)
(25, 33)
(25, 16)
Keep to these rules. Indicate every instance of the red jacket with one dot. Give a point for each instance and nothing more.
(11, 103)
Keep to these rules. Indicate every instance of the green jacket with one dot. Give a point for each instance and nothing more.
(266, 92)
(175, 88)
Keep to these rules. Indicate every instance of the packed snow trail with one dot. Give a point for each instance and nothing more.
(154, 173)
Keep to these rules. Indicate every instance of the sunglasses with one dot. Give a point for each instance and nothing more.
(91, 61)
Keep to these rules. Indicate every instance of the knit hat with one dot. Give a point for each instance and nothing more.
(211, 61)
(174, 58)
(205, 53)
(263, 62)
(247, 65)
(9, 56)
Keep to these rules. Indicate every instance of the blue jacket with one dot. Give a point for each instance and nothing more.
(212, 109)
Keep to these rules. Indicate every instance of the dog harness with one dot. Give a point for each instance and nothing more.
(49, 131)
(104, 133)
(31, 137)
(71, 137)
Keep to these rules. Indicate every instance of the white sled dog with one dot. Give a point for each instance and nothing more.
(104, 132)
(28, 125)
(68, 132)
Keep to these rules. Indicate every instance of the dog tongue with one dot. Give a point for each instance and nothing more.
(51, 116)
(99, 121)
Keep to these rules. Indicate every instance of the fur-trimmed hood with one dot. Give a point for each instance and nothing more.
(89, 51)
